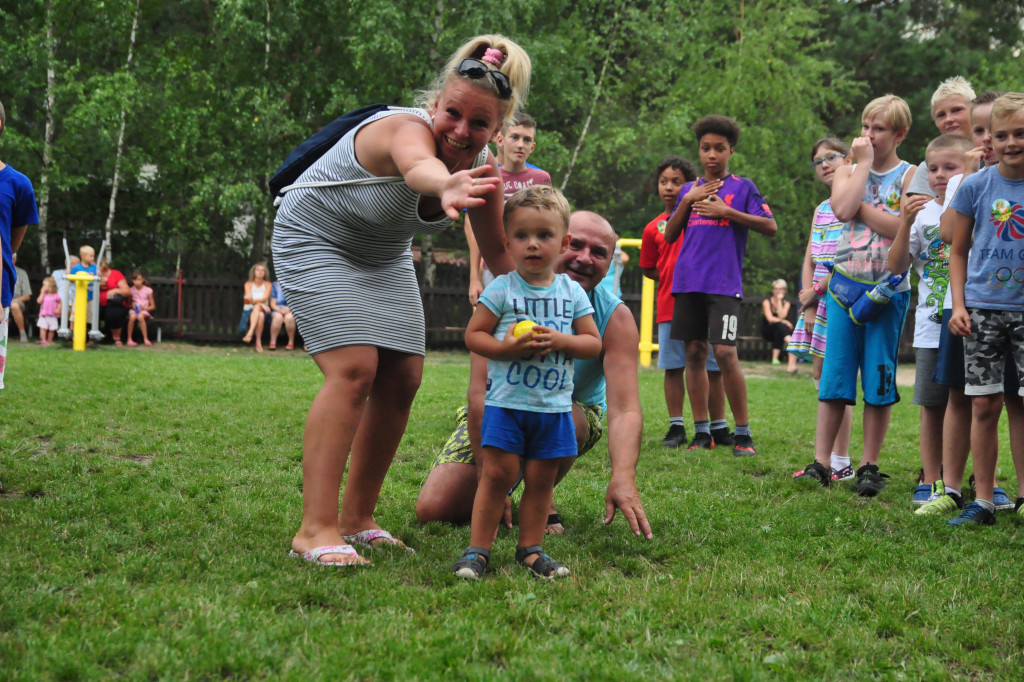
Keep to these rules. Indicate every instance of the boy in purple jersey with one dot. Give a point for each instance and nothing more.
(717, 210)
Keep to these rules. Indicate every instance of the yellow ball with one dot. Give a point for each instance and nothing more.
(523, 327)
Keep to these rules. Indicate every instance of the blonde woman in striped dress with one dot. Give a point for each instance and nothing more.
(342, 254)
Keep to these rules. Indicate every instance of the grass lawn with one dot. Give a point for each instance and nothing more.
(152, 496)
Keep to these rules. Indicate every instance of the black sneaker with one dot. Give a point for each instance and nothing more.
(815, 472)
(701, 440)
(721, 436)
(675, 437)
(743, 446)
(974, 515)
(870, 481)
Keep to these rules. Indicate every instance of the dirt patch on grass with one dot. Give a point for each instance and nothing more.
(762, 370)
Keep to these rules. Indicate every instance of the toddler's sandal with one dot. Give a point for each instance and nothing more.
(544, 566)
(472, 564)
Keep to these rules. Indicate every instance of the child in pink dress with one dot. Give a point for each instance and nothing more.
(49, 310)
(142, 304)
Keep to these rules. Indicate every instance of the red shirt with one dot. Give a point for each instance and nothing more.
(113, 278)
(655, 252)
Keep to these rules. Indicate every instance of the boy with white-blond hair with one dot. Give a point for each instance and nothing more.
(988, 310)
(951, 105)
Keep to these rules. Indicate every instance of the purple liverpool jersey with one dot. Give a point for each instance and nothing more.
(711, 258)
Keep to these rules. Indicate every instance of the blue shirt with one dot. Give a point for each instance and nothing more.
(81, 268)
(535, 383)
(277, 294)
(17, 209)
(995, 266)
(588, 382)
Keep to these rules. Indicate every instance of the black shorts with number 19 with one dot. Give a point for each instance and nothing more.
(710, 317)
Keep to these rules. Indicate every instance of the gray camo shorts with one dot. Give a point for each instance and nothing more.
(994, 334)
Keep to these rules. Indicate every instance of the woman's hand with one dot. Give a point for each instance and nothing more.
(466, 189)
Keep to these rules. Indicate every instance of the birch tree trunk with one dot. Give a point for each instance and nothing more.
(44, 175)
(116, 183)
(590, 116)
(261, 215)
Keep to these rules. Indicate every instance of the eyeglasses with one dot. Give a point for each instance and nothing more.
(476, 69)
(830, 159)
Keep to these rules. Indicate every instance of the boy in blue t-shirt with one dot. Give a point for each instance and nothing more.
(986, 267)
(17, 212)
(527, 423)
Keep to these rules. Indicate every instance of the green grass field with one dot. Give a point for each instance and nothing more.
(152, 496)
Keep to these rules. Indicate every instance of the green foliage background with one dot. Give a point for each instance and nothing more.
(220, 91)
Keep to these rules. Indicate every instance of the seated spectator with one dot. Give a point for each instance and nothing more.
(257, 304)
(87, 264)
(142, 306)
(282, 314)
(49, 310)
(115, 297)
(22, 295)
(775, 326)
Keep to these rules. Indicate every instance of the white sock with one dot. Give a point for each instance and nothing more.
(839, 463)
(986, 504)
(952, 491)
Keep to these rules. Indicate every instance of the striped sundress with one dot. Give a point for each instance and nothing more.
(343, 256)
(825, 231)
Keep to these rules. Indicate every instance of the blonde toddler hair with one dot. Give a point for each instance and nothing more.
(542, 198)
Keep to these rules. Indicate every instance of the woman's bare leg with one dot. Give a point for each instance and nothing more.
(331, 426)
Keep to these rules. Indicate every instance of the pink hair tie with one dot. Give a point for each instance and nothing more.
(493, 56)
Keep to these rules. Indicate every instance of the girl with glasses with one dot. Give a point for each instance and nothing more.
(808, 340)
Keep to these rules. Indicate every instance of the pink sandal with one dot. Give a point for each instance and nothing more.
(313, 555)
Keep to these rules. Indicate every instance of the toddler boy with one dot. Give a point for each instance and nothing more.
(527, 422)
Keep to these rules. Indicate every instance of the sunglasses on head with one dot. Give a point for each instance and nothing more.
(476, 69)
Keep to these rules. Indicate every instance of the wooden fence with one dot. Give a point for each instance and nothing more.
(212, 307)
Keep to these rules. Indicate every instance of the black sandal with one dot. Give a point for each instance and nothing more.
(472, 564)
(544, 566)
(554, 518)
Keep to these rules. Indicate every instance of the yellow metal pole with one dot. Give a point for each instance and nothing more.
(647, 345)
(81, 280)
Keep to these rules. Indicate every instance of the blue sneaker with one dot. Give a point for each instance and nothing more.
(975, 515)
(1001, 499)
(921, 494)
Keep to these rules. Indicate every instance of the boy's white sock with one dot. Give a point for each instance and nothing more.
(986, 504)
(952, 491)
